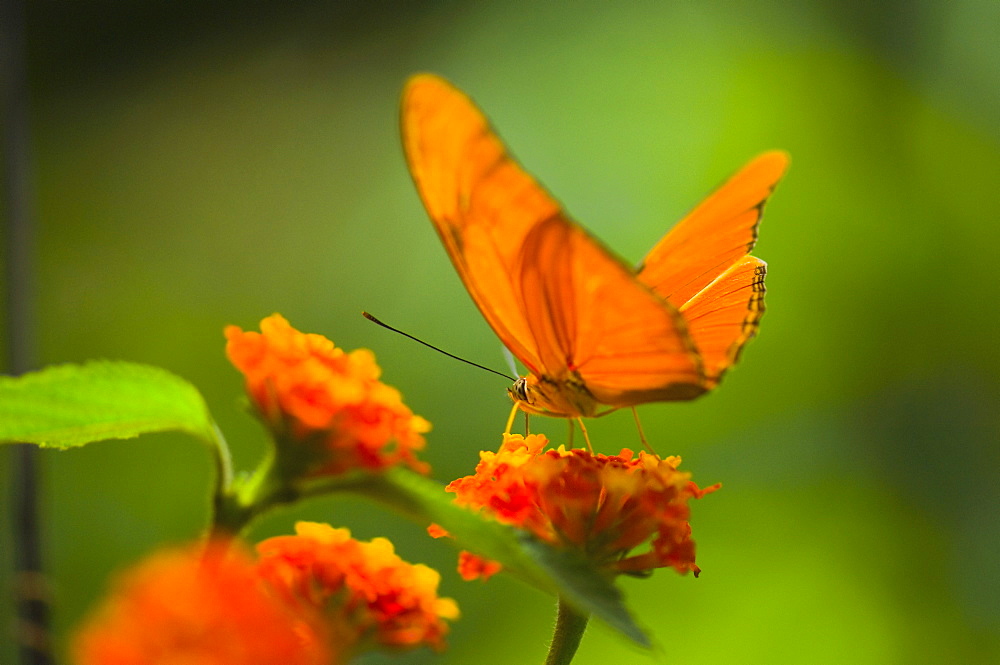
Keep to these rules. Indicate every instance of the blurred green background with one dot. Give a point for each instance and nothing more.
(200, 164)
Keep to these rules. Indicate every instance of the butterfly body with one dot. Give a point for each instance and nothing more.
(547, 396)
(593, 332)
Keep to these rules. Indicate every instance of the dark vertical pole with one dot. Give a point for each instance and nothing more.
(31, 596)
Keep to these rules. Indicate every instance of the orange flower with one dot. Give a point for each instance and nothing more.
(308, 390)
(604, 505)
(199, 607)
(367, 594)
(474, 567)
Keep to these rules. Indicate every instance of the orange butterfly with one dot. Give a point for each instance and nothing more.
(591, 330)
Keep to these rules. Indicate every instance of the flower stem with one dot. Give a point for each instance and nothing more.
(570, 626)
(248, 496)
(223, 461)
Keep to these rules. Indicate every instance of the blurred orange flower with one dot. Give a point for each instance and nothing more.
(368, 596)
(199, 607)
(308, 390)
(603, 505)
(474, 567)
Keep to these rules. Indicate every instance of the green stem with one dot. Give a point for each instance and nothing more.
(570, 626)
(246, 497)
(223, 461)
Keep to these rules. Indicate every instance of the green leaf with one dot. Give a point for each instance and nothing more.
(70, 405)
(567, 574)
(585, 589)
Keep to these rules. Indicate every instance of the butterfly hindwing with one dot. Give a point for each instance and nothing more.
(724, 315)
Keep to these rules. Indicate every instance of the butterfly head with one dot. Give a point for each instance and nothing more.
(519, 391)
(545, 396)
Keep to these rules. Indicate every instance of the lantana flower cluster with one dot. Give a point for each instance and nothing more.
(315, 395)
(320, 597)
(316, 598)
(605, 506)
(387, 603)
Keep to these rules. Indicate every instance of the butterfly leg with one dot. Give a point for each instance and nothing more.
(586, 438)
(642, 435)
(510, 419)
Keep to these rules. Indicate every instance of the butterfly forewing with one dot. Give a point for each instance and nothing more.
(717, 233)
(589, 316)
(482, 204)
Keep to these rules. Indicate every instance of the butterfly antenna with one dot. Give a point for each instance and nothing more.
(450, 355)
